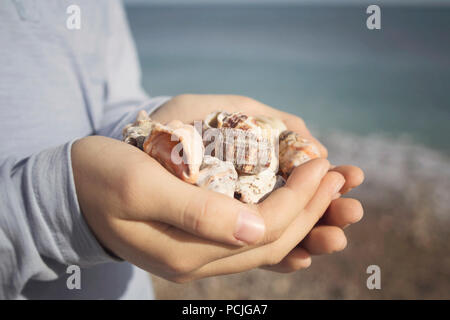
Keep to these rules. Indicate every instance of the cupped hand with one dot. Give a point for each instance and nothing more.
(327, 236)
(144, 214)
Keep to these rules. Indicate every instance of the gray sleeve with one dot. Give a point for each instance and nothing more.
(124, 93)
(41, 227)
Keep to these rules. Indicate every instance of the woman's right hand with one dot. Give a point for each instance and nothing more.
(147, 216)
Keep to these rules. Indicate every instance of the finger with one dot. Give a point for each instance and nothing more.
(354, 176)
(297, 259)
(273, 253)
(216, 217)
(208, 214)
(324, 239)
(343, 212)
(194, 250)
(285, 203)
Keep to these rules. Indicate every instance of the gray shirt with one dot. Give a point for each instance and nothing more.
(57, 85)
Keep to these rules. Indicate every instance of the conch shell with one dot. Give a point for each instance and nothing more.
(217, 175)
(178, 147)
(294, 150)
(135, 133)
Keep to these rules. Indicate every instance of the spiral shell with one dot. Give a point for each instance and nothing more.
(294, 150)
(238, 138)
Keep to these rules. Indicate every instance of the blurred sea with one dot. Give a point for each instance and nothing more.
(377, 99)
(321, 63)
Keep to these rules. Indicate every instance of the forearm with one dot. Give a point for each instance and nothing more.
(41, 226)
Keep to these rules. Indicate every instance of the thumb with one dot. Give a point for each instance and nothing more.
(213, 216)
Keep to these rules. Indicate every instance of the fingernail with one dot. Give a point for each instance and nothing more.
(325, 169)
(339, 185)
(336, 196)
(249, 228)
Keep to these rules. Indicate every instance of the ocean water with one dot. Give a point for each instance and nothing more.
(320, 63)
(377, 99)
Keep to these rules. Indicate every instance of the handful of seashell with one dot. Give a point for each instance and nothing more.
(234, 154)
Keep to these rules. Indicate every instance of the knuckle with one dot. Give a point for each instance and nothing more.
(356, 206)
(342, 244)
(324, 162)
(194, 214)
(300, 122)
(182, 96)
(246, 102)
(179, 279)
(245, 99)
(274, 257)
(296, 122)
(324, 152)
(335, 177)
(273, 234)
(179, 267)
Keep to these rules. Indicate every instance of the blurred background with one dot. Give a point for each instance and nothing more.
(379, 99)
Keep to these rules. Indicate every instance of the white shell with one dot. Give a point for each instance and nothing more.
(252, 188)
(280, 182)
(273, 125)
(236, 137)
(135, 133)
(216, 175)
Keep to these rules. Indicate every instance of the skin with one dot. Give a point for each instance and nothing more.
(181, 232)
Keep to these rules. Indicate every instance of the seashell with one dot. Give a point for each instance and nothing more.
(217, 175)
(253, 188)
(178, 147)
(136, 132)
(212, 121)
(280, 182)
(273, 125)
(246, 152)
(236, 120)
(237, 138)
(294, 150)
